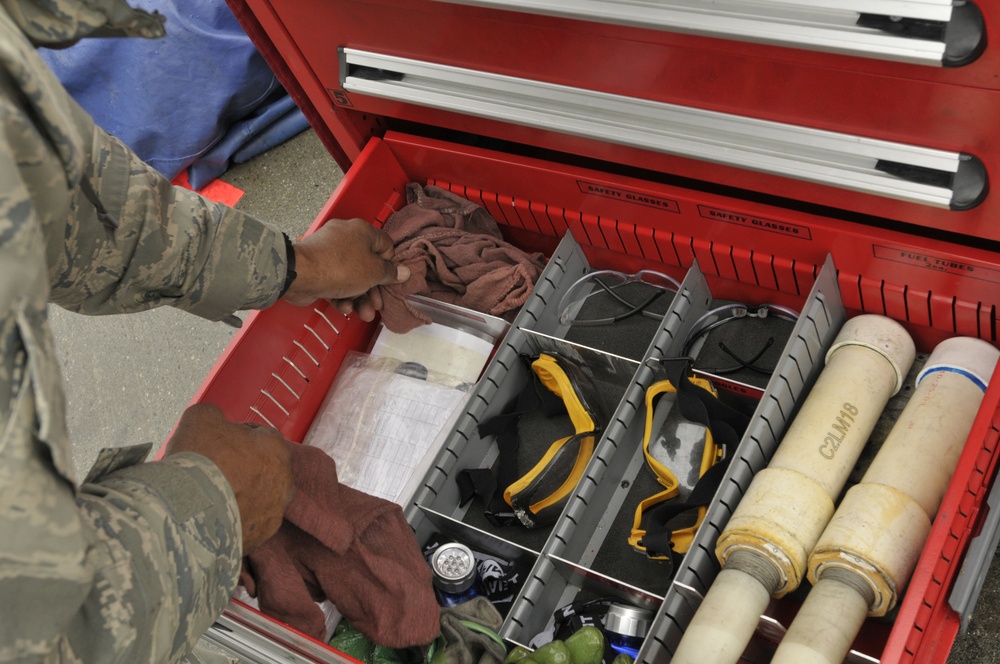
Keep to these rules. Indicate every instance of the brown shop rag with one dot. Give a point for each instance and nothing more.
(350, 547)
(456, 254)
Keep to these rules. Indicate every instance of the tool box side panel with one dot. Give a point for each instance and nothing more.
(925, 603)
(279, 367)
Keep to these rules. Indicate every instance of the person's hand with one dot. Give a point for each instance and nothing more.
(255, 460)
(344, 261)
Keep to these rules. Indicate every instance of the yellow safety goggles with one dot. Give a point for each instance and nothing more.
(538, 497)
(680, 538)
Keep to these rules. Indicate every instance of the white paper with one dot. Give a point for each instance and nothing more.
(440, 348)
(379, 425)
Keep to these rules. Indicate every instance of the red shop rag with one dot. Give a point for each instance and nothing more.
(350, 547)
(456, 254)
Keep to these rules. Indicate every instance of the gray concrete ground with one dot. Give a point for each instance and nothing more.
(129, 377)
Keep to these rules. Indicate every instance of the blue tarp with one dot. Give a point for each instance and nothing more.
(202, 97)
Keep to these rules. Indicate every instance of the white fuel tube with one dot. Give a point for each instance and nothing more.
(770, 535)
(866, 554)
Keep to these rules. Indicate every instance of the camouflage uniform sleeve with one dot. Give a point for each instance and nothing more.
(167, 557)
(132, 566)
(132, 241)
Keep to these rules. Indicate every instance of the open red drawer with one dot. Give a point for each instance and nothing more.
(279, 368)
(762, 168)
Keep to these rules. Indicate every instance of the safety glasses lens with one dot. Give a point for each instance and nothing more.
(735, 338)
(606, 296)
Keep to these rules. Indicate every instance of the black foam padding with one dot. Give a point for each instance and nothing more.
(629, 337)
(745, 338)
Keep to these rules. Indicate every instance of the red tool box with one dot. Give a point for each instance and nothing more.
(833, 158)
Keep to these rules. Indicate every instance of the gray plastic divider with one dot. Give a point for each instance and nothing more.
(581, 530)
(822, 317)
(564, 565)
(462, 448)
(972, 574)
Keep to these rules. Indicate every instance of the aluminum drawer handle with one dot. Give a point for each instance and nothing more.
(893, 170)
(927, 32)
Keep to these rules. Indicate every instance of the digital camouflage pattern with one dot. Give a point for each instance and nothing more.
(61, 21)
(133, 565)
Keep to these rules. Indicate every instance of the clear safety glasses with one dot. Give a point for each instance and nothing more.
(604, 297)
(729, 313)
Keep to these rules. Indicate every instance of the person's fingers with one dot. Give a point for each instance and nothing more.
(382, 243)
(342, 259)
(195, 417)
(254, 459)
(203, 410)
(391, 273)
(364, 308)
(345, 306)
(266, 487)
(375, 297)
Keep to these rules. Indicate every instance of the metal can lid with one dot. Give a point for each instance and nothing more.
(454, 567)
(627, 620)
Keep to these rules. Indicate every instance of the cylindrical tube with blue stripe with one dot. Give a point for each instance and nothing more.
(866, 554)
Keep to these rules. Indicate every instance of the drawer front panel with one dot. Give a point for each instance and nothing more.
(907, 105)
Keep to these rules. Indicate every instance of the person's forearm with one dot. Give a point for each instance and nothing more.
(132, 569)
(156, 244)
(170, 532)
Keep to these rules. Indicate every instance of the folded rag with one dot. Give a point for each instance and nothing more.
(348, 546)
(456, 254)
(465, 643)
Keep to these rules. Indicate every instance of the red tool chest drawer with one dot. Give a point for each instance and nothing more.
(741, 234)
(837, 123)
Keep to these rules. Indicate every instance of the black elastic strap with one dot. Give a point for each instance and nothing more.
(658, 520)
(488, 484)
(290, 273)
